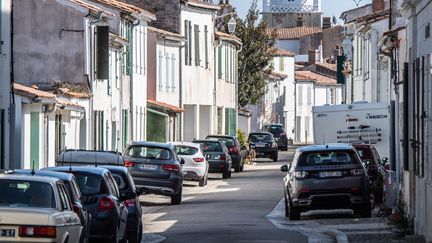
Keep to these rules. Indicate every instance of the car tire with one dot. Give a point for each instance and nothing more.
(242, 167)
(177, 198)
(229, 174)
(133, 237)
(365, 211)
(275, 157)
(294, 212)
(114, 238)
(238, 168)
(225, 174)
(286, 207)
(203, 181)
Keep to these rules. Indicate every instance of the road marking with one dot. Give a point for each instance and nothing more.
(152, 238)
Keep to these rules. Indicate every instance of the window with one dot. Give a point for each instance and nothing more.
(206, 46)
(220, 62)
(120, 181)
(167, 77)
(282, 64)
(185, 150)
(148, 152)
(173, 71)
(89, 184)
(309, 95)
(21, 193)
(427, 31)
(113, 185)
(197, 45)
(160, 70)
(327, 158)
(300, 95)
(64, 199)
(187, 45)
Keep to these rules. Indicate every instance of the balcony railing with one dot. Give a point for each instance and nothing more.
(280, 6)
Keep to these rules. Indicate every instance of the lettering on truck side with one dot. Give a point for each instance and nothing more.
(377, 117)
(322, 115)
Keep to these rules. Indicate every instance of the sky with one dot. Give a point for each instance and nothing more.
(329, 7)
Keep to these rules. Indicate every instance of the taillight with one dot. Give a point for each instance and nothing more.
(77, 209)
(129, 203)
(223, 157)
(300, 174)
(128, 163)
(171, 167)
(233, 150)
(357, 172)
(38, 231)
(304, 190)
(274, 145)
(105, 203)
(198, 160)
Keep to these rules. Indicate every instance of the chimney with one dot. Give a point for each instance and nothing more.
(377, 5)
(313, 56)
(326, 23)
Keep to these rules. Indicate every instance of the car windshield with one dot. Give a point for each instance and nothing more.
(276, 129)
(121, 183)
(260, 138)
(327, 158)
(20, 193)
(146, 152)
(185, 150)
(210, 146)
(89, 184)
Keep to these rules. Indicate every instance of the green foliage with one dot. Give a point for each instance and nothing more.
(255, 57)
(241, 136)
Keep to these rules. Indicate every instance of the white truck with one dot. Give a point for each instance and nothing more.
(367, 123)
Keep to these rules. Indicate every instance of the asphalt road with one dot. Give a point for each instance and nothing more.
(231, 210)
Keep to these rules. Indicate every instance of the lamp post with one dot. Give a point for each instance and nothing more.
(232, 23)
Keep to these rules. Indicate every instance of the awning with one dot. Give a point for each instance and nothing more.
(166, 106)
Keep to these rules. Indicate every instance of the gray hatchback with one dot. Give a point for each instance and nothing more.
(326, 177)
(155, 167)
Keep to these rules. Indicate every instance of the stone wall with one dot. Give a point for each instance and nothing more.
(332, 39)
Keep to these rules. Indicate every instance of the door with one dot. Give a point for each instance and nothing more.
(34, 140)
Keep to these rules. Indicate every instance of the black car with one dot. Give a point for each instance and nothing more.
(264, 145)
(217, 155)
(157, 168)
(101, 197)
(127, 190)
(74, 192)
(234, 149)
(279, 134)
(89, 157)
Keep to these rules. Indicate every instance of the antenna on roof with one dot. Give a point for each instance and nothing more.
(33, 170)
(95, 158)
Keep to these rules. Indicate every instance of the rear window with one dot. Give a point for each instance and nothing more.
(185, 150)
(121, 182)
(19, 193)
(364, 153)
(89, 184)
(327, 158)
(145, 152)
(276, 129)
(260, 138)
(211, 146)
(229, 142)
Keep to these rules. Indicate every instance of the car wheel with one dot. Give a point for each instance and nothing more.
(176, 199)
(114, 238)
(275, 157)
(133, 237)
(225, 174)
(365, 211)
(229, 174)
(242, 167)
(238, 168)
(294, 212)
(202, 182)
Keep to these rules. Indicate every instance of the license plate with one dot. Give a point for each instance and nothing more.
(330, 174)
(7, 233)
(149, 167)
(260, 145)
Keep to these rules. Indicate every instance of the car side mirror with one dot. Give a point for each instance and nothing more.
(284, 168)
(182, 161)
(384, 160)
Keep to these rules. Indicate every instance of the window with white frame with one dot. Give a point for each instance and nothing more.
(300, 95)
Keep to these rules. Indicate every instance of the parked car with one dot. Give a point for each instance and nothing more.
(326, 177)
(234, 149)
(73, 192)
(196, 165)
(131, 195)
(375, 169)
(101, 197)
(280, 135)
(36, 209)
(216, 153)
(264, 145)
(89, 157)
(157, 168)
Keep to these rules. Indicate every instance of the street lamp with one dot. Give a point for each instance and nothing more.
(232, 23)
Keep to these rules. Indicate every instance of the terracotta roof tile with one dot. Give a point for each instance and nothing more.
(72, 94)
(32, 92)
(92, 7)
(315, 77)
(295, 33)
(281, 52)
(125, 7)
(277, 76)
(328, 66)
(228, 37)
(164, 32)
(165, 105)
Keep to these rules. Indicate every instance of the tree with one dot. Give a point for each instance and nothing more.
(255, 58)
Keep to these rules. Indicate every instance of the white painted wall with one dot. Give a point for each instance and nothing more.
(226, 86)
(305, 99)
(167, 72)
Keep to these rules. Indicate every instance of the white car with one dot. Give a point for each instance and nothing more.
(36, 209)
(196, 166)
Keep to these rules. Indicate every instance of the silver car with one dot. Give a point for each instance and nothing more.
(326, 177)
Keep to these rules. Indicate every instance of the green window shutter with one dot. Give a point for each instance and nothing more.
(220, 62)
(110, 74)
(125, 127)
(231, 65)
(206, 46)
(128, 49)
(190, 42)
(281, 64)
(197, 45)
(167, 76)
(226, 63)
(34, 139)
(187, 46)
(160, 70)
